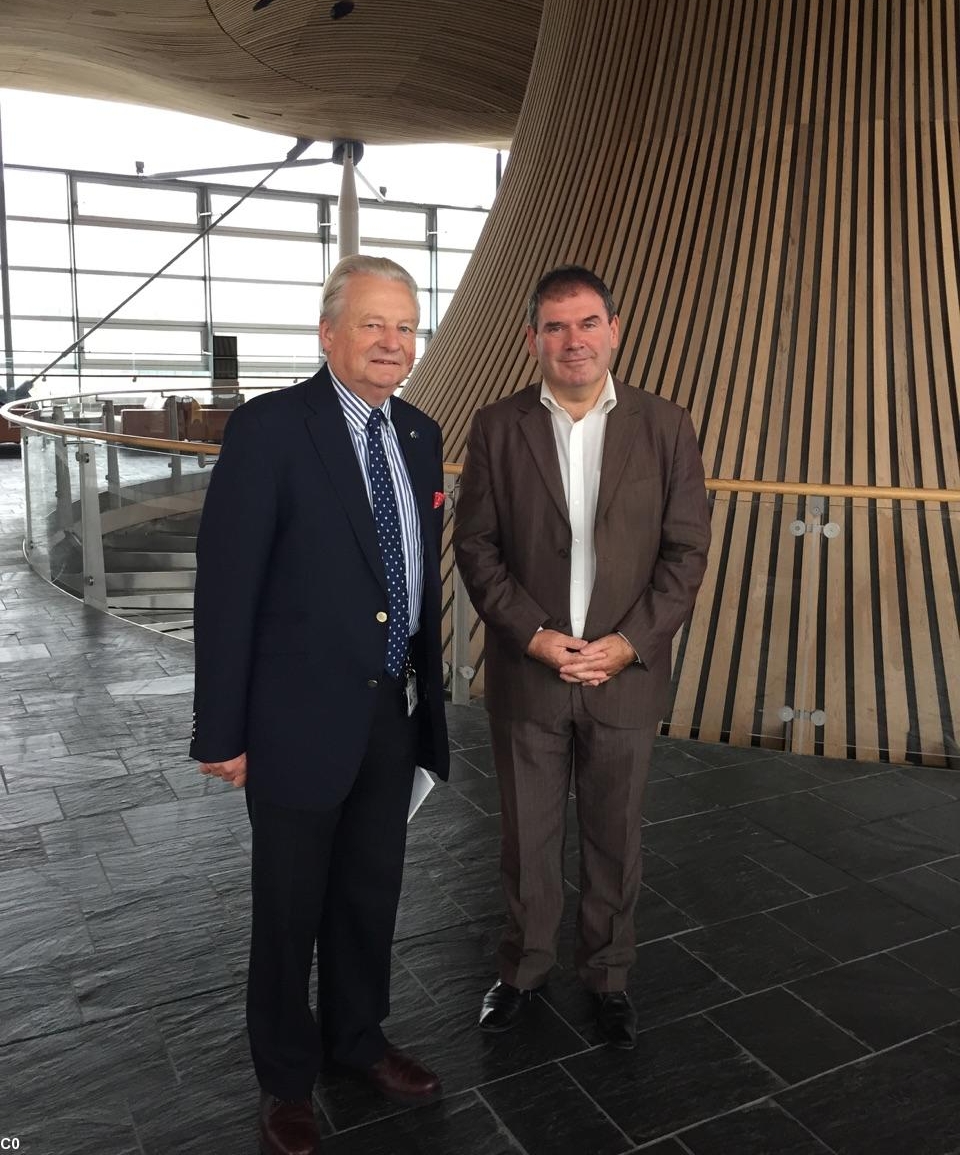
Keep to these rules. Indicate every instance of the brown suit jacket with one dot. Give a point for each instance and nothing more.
(512, 540)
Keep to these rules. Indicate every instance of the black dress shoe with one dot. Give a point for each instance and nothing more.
(616, 1019)
(503, 1005)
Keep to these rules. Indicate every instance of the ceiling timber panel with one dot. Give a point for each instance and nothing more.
(391, 72)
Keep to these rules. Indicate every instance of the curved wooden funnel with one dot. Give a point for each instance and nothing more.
(772, 190)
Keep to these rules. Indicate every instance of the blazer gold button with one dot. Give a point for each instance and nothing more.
(372, 683)
(381, 616)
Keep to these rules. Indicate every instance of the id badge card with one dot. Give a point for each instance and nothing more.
(411, 690)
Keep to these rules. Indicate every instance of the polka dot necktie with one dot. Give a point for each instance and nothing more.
(391, 547)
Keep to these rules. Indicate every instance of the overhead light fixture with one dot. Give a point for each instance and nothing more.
(339, 10)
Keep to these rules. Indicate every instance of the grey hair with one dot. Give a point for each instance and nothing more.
(361, 265)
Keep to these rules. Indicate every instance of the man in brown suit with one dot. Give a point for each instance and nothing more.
(581, 533)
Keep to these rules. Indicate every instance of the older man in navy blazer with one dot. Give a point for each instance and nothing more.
(319, 685)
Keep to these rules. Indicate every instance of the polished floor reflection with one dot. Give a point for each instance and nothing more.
(798, 979)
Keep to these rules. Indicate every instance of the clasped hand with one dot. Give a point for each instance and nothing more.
(579, 661)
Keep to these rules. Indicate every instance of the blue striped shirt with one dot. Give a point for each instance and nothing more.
(357, 412)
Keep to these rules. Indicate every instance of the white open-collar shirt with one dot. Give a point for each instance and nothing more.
(580, 450)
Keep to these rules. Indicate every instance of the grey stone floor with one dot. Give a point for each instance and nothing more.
(798, 978)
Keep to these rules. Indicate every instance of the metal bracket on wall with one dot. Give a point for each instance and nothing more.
(789, 714)
(815, 507)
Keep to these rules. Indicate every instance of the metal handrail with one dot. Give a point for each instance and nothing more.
(455, 468)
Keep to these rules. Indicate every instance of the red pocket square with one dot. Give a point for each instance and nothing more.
(438, 500)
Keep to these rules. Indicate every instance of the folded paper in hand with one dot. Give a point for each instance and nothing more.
(423, 783)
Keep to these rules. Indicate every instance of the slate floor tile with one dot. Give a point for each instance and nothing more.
(550, 1115)
(673, 798)
(878, 848)
(113, 794)
(92, 1128)
(787, 1035)
(937, 957)
(759, 778)
(79, 837)
(36, 1001)
(763, 1129)
(96, 1063)
(797, 817)
(836, 769)
(879, 1000)
(742, 887)
(208, 1032)
(854, 922)
(949, 866)
(901, 1100)
(679, 1074)
(925, 890)
(882, 796)
(677, 760)
(716, 835)
(803, 869)
(28, 809)
(756, 952)
(942, 779)
(21, 847)
(462, 1123)
(207, 1120)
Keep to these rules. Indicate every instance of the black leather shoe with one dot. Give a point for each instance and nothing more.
(503, 1006)
(616, 1019)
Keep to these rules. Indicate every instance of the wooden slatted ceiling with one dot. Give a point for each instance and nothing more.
(392, 71)
(772, 189)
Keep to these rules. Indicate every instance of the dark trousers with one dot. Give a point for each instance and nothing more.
(329, 880)
(534, 762)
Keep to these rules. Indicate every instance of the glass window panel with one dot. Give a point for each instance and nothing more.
(459, 228)
(278, 347)
(424, 299)
(277, 216)
(153, 344)
(450, 268)
(45, 294)
(134, 250)
(393, 224)
(247, 304)
(40, 341)
(136, 203)
(268, 258)
(166, 299)
(415, 261)
(35, 194)
(33, 244)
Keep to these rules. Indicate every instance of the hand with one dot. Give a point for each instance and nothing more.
(597, 662)
(553, 648)
(234, 770)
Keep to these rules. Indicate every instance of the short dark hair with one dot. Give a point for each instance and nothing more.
(564, 282)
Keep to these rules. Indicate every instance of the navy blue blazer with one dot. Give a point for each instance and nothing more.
(289, 585)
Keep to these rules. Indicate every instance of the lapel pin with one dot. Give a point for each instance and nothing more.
(414, 433)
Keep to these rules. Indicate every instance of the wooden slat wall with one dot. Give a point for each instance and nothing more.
(772, 190)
